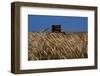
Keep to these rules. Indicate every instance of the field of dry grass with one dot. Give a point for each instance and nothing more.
(49, 46)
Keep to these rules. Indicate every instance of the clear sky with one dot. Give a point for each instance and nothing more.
(36, 23)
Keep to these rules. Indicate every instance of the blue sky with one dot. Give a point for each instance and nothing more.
(36, 23)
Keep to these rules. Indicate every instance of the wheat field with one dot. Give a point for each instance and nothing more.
(50, 46)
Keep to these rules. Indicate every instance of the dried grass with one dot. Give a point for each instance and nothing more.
(48, 46)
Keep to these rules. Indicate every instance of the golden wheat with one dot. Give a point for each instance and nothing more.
(48, 46)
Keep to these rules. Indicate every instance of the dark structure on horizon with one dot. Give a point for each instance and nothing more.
(56, 28)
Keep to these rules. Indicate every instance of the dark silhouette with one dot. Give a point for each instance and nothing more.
(56, 28)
